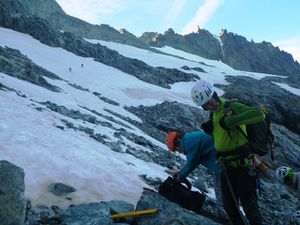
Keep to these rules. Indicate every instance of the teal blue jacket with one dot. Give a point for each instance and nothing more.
(198, 147)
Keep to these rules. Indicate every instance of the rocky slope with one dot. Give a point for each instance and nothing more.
(201, 43)
(263, 57)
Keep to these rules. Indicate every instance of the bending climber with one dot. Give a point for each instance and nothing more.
(198, 148)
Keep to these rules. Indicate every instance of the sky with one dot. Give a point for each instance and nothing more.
(30, 139)
(275, 21)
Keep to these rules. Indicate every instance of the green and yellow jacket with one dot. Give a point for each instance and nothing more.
(226, 136)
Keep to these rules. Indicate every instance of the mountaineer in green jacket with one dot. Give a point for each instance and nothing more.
(237, 180)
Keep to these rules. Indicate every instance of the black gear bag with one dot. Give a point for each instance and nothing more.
(180, 194)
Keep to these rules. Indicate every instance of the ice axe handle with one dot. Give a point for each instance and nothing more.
(135, 213)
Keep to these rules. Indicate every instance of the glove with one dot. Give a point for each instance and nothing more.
(180, 180)
(223, 124)
(207, 127)
(187, 183)
(176, 177)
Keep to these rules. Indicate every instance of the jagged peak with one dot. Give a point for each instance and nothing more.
(125, 32)
(223, 32)
(151, 34)
(170, 31)
(198, 29)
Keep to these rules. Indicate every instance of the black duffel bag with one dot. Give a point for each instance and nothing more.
(182, 195)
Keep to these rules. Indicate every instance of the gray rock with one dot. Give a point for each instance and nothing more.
(169, 212)
(60, 189)
(12, 200)
(15, 64)
(201, 43)
(88, 214)
(263, 57)
(117, 206)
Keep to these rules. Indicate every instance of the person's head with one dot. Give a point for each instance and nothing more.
(204, 95)
(284, 174)
(173, 141)
(295, 219)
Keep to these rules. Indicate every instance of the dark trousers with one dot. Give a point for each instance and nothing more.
(244, 188)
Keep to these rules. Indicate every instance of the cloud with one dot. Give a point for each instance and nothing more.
(203, 14)
(173, 13)
(291, 45)
(92, 11)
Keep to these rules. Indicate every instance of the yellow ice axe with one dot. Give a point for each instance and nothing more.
(135, 213)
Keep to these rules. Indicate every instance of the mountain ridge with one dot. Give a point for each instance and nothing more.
(234, 50)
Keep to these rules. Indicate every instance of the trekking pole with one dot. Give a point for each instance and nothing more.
(135, 213)
(245, 221)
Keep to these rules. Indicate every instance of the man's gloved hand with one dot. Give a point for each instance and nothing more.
(187, 183)
(182, 180)
(223, 124)
(176, 177)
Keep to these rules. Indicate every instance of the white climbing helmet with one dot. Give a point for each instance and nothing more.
(202, 92)
(295, 219)
(282, 172)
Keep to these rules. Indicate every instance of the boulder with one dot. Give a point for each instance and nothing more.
(169, 212)
(12, 200)
(91, 214)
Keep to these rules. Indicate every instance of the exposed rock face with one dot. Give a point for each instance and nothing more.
(53, 13)
(92, 213)
(170, 213)
(201, 43)
(13, 63)
(12, 200)
(256, 57)
(282, 105)
(232, 49)
(168, 116)
(39, 8)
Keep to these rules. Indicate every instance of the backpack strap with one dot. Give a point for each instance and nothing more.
(228, 111)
